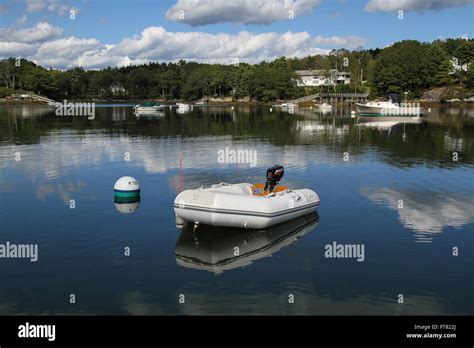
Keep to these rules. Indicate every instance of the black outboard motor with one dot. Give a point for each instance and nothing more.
(274, 175)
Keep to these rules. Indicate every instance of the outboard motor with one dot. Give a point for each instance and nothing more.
(274, 175)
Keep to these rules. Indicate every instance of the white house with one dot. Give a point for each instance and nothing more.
(117, 89)
(323, 77)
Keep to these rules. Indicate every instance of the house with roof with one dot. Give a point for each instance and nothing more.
(322, 77)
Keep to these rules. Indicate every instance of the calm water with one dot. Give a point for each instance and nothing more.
(408, 250)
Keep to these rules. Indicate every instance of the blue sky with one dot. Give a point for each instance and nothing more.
(102, 27)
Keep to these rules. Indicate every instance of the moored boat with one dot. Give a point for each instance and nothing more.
(389, 108)
(183, 108)
(285, 105)
(325, 106)
(376, 107)
(147, 108)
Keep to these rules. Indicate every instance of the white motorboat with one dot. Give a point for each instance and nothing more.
(183, 106)
(389, 108)
(245, 205)
(213, 249)
(148, 108)
(377, 107)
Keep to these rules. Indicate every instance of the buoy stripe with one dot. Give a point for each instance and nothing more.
(126, 191)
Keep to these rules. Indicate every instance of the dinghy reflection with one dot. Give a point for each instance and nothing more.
(219, 249)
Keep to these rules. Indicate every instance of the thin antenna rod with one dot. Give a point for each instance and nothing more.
(180, 173)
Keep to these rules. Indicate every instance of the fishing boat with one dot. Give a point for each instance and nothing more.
(245, 205)
(213, 249)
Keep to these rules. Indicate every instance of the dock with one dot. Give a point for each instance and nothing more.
(333, 98)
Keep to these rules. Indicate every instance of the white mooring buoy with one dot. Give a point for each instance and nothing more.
(127, 195)
(126, 187)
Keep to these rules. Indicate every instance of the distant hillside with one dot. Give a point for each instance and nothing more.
(406, 66)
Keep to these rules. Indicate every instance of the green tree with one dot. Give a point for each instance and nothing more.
(443, 77)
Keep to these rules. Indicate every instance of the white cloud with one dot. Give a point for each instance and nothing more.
(22, 20)
(54, 6)
(341, 41)
(413, 5)
(16, 49)
(35, 5)
(40, 32)
(205, 12)
(158, 44)
(64, 53)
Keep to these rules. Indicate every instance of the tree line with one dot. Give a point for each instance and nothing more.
(405, 66)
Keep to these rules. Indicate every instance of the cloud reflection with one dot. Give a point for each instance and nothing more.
(425, 211)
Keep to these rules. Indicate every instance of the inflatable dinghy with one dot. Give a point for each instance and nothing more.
(245, 205)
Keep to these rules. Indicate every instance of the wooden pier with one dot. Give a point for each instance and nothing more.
(333, 98)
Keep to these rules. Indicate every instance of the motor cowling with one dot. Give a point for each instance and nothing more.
(274, 175)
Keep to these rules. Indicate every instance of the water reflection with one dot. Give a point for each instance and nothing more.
(65, 158)
(63, 189)
(334, 133)
(26, 111)
(127, 205)
(149, 115)
(218, 249)
(425, 212)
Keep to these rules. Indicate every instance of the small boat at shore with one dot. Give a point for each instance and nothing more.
(183, 108)
(245, 205)
(325, 107)
(285, 105)
(148, 108)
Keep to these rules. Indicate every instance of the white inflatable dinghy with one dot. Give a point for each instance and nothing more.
(245, 205)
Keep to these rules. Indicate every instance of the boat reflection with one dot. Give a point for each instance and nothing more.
(387, 122)
(149, 115)
(219, 249)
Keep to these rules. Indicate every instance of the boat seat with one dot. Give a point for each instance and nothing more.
(258, 189)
